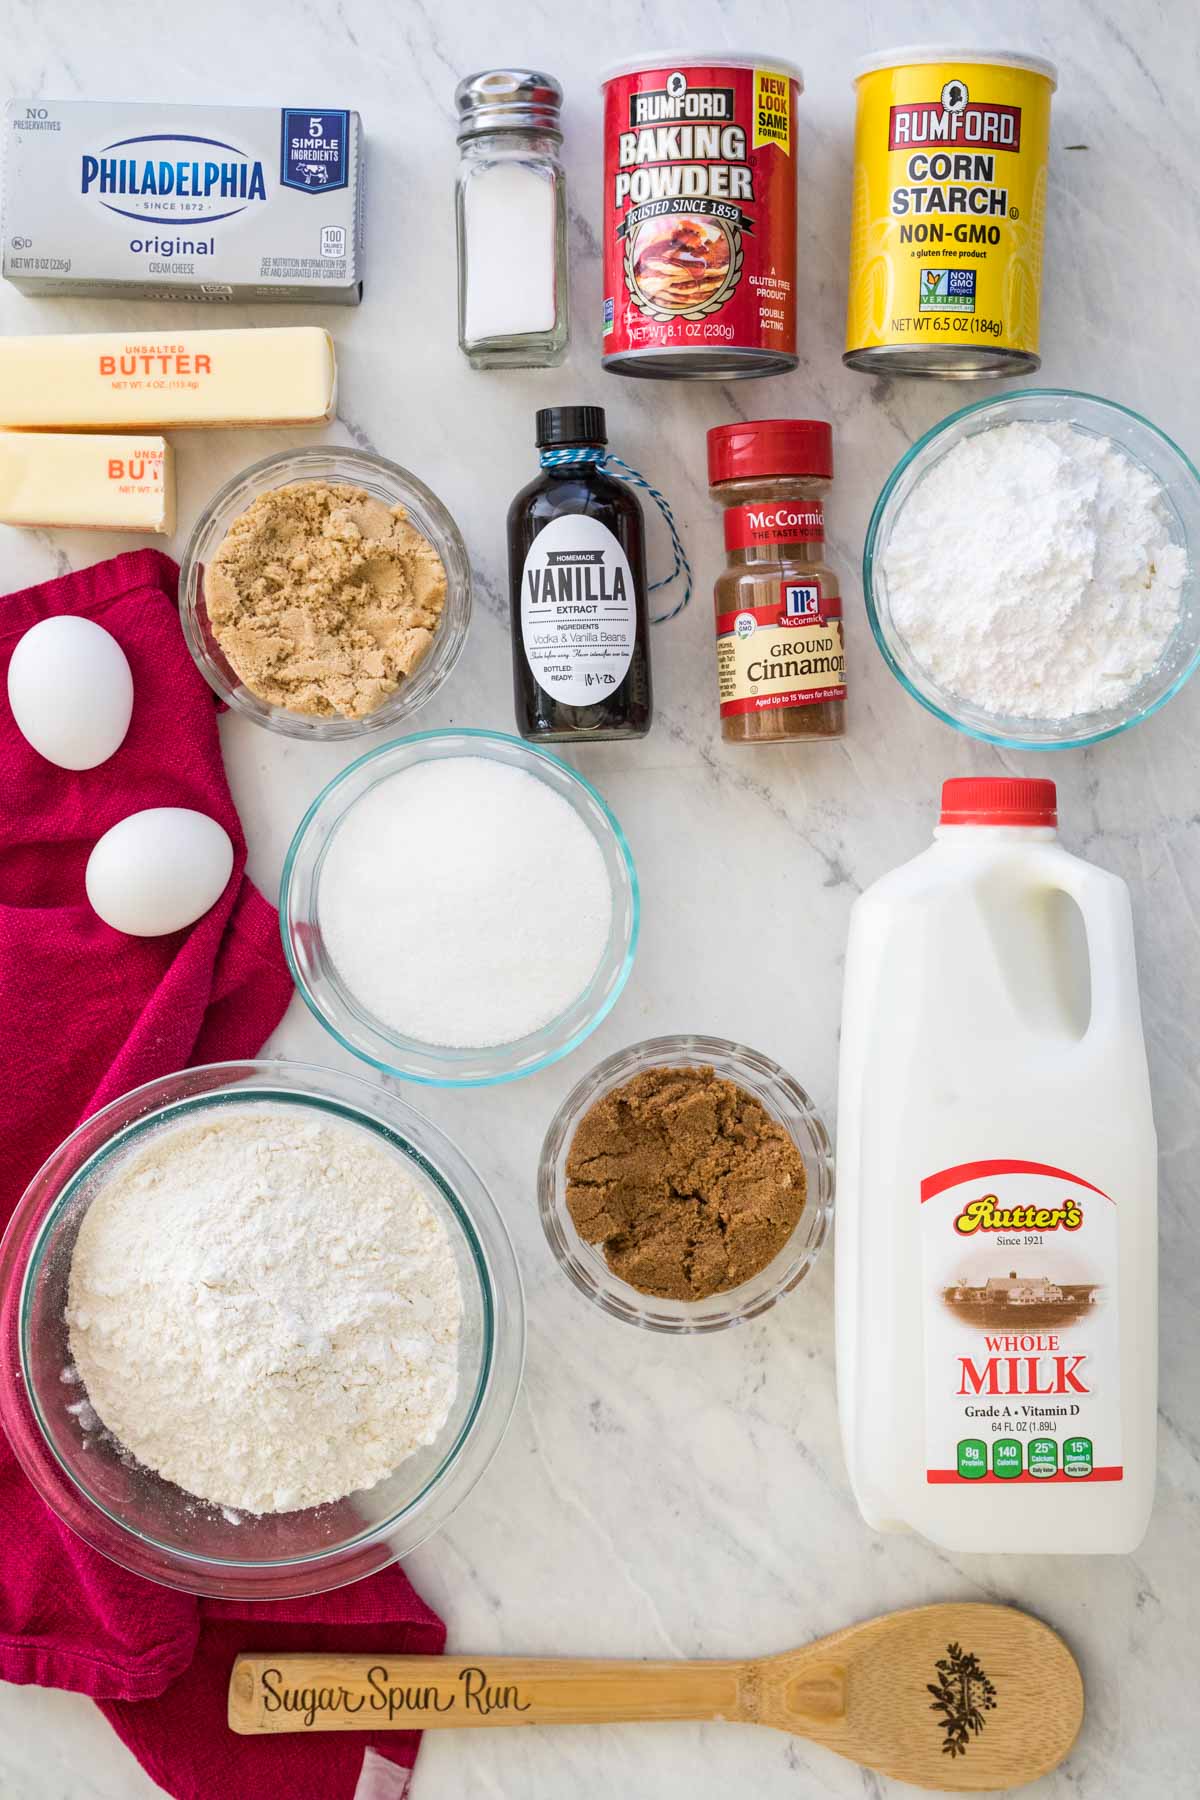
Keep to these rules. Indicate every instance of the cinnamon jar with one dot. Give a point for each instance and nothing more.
(781, 662)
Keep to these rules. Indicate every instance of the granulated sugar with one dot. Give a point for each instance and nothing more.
(264, 1308)
(464, 903)
(1031, 571)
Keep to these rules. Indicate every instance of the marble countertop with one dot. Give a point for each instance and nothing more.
(659, 1497)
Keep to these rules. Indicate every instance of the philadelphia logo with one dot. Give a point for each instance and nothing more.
(183, 179)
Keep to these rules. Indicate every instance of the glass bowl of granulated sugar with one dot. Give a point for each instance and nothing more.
(459, 908)
(1031, 569)
(261, 1330)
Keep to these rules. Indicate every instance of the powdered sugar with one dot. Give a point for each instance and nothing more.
(1031, 571)
(264, 1308)
(464, 902)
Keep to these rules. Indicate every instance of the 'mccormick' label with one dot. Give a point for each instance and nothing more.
(949, 207)
(778, 522)
(700, 212)
(790, 653)
(1022, 1369)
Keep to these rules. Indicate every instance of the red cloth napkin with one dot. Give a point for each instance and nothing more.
(86, 1014)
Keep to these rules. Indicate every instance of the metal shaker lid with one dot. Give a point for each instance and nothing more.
(508, 100)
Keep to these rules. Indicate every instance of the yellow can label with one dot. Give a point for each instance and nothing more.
(949, 207)
(772, 110)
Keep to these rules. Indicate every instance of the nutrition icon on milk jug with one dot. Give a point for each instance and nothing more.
(996, 1210)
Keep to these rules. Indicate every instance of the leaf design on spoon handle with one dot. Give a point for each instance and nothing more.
(962, 1693)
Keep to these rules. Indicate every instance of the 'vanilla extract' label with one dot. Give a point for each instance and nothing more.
(578, 610)
(1022, 1363)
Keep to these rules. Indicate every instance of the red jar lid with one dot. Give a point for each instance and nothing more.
(766, 447)
(999, 800)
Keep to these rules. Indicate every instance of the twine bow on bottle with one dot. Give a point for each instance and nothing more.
(613, 465)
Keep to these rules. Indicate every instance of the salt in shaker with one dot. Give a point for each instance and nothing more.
(512, 221)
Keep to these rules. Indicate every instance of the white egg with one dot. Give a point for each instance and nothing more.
(70, 691)
(158, 870)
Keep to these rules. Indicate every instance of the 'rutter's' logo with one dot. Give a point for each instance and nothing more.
(987, 1214)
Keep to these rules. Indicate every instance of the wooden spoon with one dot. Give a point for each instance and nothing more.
(960, 1697)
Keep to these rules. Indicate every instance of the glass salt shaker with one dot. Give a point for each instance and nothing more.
(512, 221)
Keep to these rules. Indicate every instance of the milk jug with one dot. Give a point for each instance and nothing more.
(996, 1208)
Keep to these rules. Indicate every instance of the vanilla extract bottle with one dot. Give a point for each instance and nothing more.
(577, 578)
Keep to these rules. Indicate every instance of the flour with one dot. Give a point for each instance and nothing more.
(264, 1308)
(464, 902)
(1031, 571)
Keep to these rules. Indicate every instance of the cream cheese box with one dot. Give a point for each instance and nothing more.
(220, 203)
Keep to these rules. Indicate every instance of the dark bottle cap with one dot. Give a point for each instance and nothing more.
(571, 425)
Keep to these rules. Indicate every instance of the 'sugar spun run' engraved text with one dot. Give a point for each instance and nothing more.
(473, 1694)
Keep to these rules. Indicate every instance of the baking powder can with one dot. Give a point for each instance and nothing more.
(950, 160)
(700, 216)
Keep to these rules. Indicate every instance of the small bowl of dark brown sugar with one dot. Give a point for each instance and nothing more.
(686, 1184)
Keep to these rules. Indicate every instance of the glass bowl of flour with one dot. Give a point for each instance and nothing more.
(459, 908)
(261, 1330)
(1030, 569)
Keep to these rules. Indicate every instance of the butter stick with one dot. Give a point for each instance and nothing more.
(101, 483)
(136, 380)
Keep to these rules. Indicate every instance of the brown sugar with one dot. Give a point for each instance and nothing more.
(324, 599)
(686, 1181)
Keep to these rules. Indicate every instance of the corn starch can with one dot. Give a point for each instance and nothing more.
(950, 157)
(700, 216)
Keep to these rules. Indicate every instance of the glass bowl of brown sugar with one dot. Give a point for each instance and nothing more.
(325, 593)
(686, 1184)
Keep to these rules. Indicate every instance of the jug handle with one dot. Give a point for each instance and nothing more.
(1108, 924)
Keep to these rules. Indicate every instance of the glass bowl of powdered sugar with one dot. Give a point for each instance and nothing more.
(261, 1330)
(459, 908)
(1030, 569)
